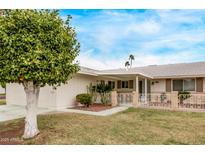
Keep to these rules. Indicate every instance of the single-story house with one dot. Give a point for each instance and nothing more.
(143, 80)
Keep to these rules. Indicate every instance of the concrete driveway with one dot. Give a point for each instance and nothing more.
(10, 112)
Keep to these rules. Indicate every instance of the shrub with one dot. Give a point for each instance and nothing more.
(85, 99)
(91, 89)
(183, 95)
(163, 97)
(104, 90)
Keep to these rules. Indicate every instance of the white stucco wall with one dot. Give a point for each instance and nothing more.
(15, 95)
(65, 96)
(2, 90)
(158, 87)
(62, 97)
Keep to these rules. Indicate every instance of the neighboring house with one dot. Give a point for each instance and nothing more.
(143, 80)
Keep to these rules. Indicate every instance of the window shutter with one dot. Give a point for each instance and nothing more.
(119, 84)
(199, 85)
(131, 84)
(168, 85)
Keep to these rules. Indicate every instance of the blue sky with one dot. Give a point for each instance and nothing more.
(107, 37)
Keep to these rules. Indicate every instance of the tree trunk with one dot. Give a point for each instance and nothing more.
(32, 93)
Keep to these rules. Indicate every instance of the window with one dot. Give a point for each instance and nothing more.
(111, 84)
(124, 84)
(131, 84)
(189, 85)
(119, 84)
(177, 85)
(102, 81)
(184, 85)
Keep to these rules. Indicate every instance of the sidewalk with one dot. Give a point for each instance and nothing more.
(100, 113)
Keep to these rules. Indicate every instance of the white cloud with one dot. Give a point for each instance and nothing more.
(153, 59)
(105, 38)
(180, 16)
(88, 60)
(113, 33)
(140, 60)
(144, 28)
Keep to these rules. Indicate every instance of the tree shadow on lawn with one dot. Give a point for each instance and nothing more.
(11, 132)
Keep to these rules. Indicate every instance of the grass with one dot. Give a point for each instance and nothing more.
(133, 126)
(2, 102)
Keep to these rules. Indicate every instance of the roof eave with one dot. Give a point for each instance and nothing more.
(141, 74)
(87, 73)
(179, 76)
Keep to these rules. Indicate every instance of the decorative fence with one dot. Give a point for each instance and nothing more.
(98, 97)
(171, 101)
(194, 101)
(155, 100)
(124, 98)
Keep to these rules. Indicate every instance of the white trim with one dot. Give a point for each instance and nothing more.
(101, 73)
(87, 73)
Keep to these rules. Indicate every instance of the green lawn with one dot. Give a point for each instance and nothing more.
(133, 126)
(2, 102)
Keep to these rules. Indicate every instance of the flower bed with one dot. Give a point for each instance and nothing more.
(96, 107)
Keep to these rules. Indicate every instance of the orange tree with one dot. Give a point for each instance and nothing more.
(37, 48)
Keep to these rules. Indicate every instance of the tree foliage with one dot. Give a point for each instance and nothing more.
(104, 90)
(183, 95)
(38, 46)
(131, 58)
(84, 98)
(127, 64)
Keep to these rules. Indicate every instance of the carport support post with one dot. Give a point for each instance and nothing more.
(114, 98)
(174, 100)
